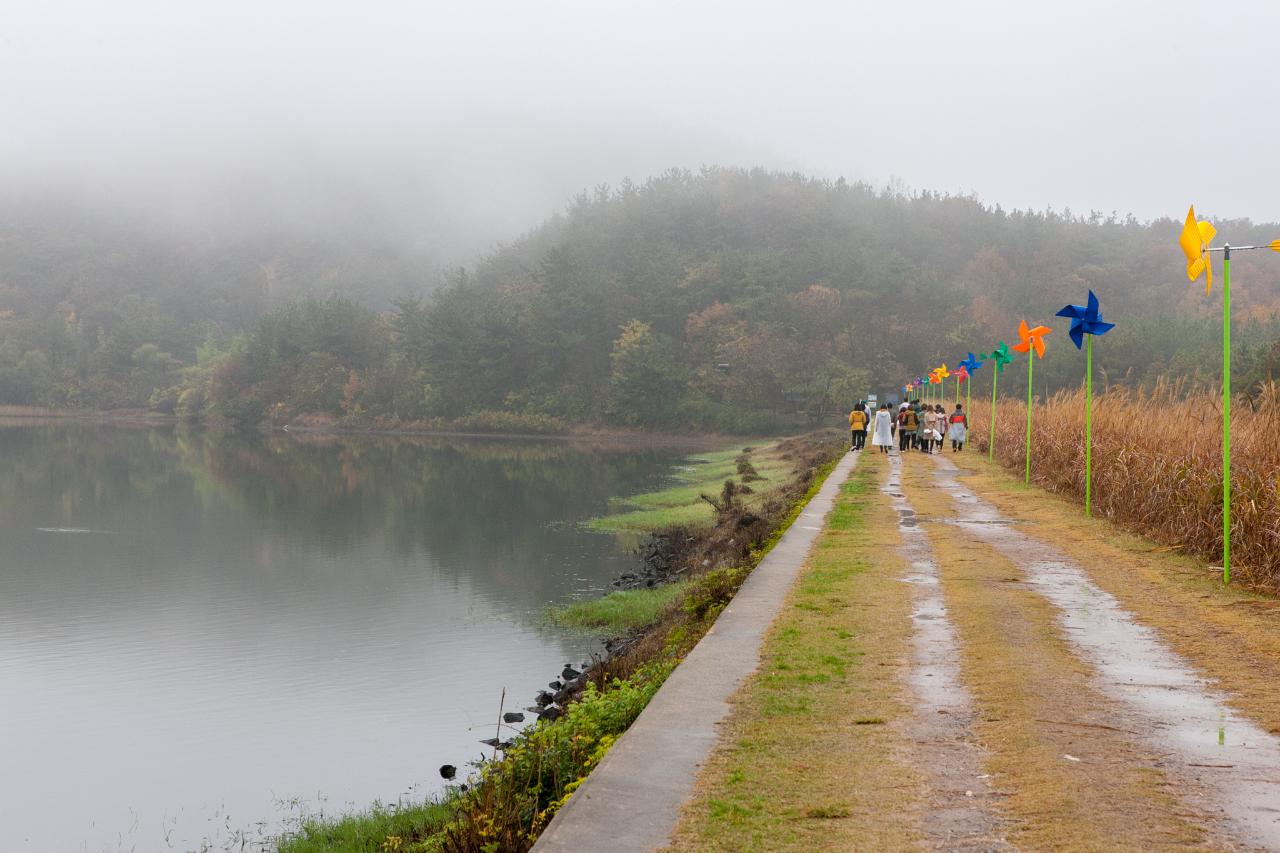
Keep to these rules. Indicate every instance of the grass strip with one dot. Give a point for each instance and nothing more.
(809, 756)
(704, 474)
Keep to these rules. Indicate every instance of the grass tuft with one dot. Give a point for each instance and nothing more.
(374, 830)
(620, 611)
(833, 812)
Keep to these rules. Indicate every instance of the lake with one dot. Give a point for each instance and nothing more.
(203, 636)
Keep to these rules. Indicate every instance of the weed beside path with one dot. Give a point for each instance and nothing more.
(1161, 480)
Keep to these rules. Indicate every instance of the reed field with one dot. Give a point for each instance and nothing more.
(1157, 465)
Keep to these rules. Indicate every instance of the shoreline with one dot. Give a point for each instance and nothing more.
(33, 416)
(591, 709)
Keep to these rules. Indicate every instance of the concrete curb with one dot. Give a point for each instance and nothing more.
(632, 800)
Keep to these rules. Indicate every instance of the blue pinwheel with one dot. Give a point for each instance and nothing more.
(1085, 320)
(972, 364)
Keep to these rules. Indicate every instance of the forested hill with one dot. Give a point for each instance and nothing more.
(101, 309)
(725, 299)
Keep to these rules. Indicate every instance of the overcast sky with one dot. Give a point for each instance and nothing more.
(477, 119)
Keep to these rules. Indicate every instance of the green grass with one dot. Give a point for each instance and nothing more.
(681, 503)
(620, 611)
(802, 764)
(373, 830)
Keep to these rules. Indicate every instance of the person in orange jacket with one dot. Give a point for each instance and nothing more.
(858, 421)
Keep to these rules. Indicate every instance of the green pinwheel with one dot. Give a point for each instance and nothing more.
(1001, 358)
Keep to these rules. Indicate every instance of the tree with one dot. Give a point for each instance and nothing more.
(645, 384)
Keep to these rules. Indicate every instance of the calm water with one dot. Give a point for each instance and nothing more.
(202, 637)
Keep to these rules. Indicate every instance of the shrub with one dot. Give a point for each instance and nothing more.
(510, 422)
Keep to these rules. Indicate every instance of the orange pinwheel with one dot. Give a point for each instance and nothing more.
(1031, 338)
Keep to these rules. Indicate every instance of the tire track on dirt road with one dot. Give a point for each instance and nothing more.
(960, 813)
(1225, 763)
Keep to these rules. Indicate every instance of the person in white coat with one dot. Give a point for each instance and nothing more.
(883, 435)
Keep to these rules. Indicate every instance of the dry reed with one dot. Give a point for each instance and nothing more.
(1157, 465)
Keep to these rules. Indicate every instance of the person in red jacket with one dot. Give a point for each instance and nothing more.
(958, 429)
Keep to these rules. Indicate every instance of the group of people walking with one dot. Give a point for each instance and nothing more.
(918, 426)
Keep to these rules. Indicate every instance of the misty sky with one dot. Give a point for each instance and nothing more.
(474, 120)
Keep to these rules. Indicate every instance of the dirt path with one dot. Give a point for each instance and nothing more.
(967, 664)
(1221, 761)
(960, 811)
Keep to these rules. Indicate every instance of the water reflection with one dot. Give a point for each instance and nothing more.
(192, 625)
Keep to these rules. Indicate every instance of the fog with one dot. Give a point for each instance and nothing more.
(457, 125)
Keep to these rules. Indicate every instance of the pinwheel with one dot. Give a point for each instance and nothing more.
(1086, 320)
(971, 366)
(1030, 339)
(1000, 356)
(960, 374)
(1195, 239)
(943, 375)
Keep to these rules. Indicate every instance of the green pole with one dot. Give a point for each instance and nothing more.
(968, 397)
(1031, 361)
(995, 380)
(1226, 414)
(1088, 424)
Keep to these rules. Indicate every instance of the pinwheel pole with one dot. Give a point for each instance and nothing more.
(1088, 425)
(970, 364)
(1195, 239)
(991, 445)
(1031, 341)
(1031, 362)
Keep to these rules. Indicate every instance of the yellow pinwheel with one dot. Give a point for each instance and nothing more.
(1194, 240)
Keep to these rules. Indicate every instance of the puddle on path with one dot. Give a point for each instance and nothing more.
(1234, 762)
(960, 816)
